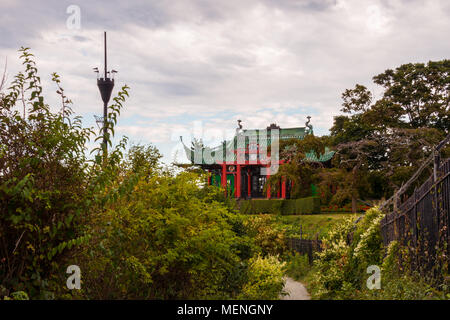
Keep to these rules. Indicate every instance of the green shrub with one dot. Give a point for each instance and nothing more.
(267, 235)
(339, 272)
(135, 230)
(297, 266)
(44, 189)
(265, 279)
(289, 207)
(18, 295)
(332, 269)
(264, 206)
(165, 240)
(310, 205)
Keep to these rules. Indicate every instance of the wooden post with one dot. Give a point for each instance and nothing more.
(435, 165)
(395, 202)
(395, 216)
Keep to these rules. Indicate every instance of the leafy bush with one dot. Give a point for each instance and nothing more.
(259, 206)
(163, 241)
(340, 270)
(136, 230)
(267, 235)
(18, 295)
(308, 205)
(297, 266)
(332, 271)
(265, 280)
(43, 183)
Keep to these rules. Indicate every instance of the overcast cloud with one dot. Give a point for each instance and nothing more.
(218, 61)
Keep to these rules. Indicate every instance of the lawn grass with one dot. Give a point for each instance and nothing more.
(310, 225)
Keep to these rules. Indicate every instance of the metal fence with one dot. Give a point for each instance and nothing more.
(305, 246)
(421, 223)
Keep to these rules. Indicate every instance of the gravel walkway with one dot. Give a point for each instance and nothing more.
(295, 290)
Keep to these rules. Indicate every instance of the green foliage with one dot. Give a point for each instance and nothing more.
(259, 206)
(398, 283)
(332, 269)
(268, 236)
(142, 160)
(381, 143)
(265, 281)
(417, 94)
(310, 205)
(43, 182)
(297, 266)
(296, 169)
(162, 241)
(18, 295)
(137, 231)
(310, 225)
(339, 272)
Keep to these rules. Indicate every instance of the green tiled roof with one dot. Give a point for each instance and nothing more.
(256, 134)
(327, 155)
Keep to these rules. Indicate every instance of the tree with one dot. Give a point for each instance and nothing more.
(43, 181)
(136, 230)
(48, 186)
(419, 94)
(402, 126)
(296, 168)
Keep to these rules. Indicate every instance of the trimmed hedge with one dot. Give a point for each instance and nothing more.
(308, 205)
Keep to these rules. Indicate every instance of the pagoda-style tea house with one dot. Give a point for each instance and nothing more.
(243, 164)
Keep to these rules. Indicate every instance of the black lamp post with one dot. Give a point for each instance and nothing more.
(105, 85)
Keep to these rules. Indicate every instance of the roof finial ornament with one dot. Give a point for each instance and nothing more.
(273, 126)
(309, 127)
(239, 128)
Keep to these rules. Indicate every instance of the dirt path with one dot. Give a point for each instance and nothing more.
(295, 290)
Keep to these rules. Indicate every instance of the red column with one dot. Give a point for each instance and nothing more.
(238, 181)
(283, 188)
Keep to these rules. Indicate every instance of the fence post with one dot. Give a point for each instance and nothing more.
(436, 162)
(395, 215)
(416, 231)
(310, 251)
(435, 196)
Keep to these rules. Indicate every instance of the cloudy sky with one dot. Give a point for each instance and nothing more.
(196, 66)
